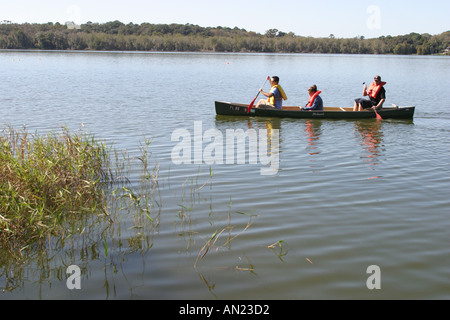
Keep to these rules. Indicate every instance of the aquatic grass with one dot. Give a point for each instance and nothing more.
(282, 249)
(216, 235)
(46, 179)
(248, 267)
(140, 203)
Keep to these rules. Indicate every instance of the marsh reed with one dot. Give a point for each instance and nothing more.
(45, 180)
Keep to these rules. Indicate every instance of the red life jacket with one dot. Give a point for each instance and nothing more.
(374, 89)
(312, 98)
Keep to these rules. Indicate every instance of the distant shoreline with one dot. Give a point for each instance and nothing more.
(87, 51)
(118, 37)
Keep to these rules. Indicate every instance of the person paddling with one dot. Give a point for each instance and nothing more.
(315, 101)
(376, 93)
(275, 96)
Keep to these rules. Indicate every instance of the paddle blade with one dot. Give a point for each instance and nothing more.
(378, 116)
(250, 106)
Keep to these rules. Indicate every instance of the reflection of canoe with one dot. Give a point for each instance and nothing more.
(236, 109)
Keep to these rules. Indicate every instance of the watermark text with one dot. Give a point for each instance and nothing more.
(373, 22)
(374, 280)
(74, 279)
(214, 147)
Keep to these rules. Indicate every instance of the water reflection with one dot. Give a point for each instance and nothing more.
(226, 122)
(313, 131)
(371, 140)
(46, 262)
(269, 124)
(264, 139)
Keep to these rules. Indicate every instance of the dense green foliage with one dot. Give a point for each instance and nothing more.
(116, 35)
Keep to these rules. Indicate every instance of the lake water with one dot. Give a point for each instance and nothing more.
(345, 195)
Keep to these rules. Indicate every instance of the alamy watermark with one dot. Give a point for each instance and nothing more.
(74, 279)
(374, 280)
(232, 147)
(373, 22)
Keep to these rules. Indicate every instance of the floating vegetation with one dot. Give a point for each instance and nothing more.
(281, 247)
(210, 243)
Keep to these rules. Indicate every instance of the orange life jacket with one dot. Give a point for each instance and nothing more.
(312, 98)
(374, 89)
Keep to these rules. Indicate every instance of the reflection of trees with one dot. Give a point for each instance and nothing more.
(371, 139)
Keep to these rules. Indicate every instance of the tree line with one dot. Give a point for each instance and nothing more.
(117, 36)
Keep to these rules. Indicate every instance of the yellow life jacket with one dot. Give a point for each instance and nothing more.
(271, 99)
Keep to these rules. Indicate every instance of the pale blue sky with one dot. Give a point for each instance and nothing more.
(317, 18)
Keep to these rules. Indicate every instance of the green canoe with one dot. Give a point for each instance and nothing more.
(239, 109)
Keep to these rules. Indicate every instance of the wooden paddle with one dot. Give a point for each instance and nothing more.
(375, 109)
(250, 106)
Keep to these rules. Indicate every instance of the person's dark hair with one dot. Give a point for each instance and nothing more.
(313, 88)
(276, 79)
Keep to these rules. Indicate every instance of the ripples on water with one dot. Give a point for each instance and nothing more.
(347, 195)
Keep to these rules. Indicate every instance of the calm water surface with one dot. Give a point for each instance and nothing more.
(347, 194)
